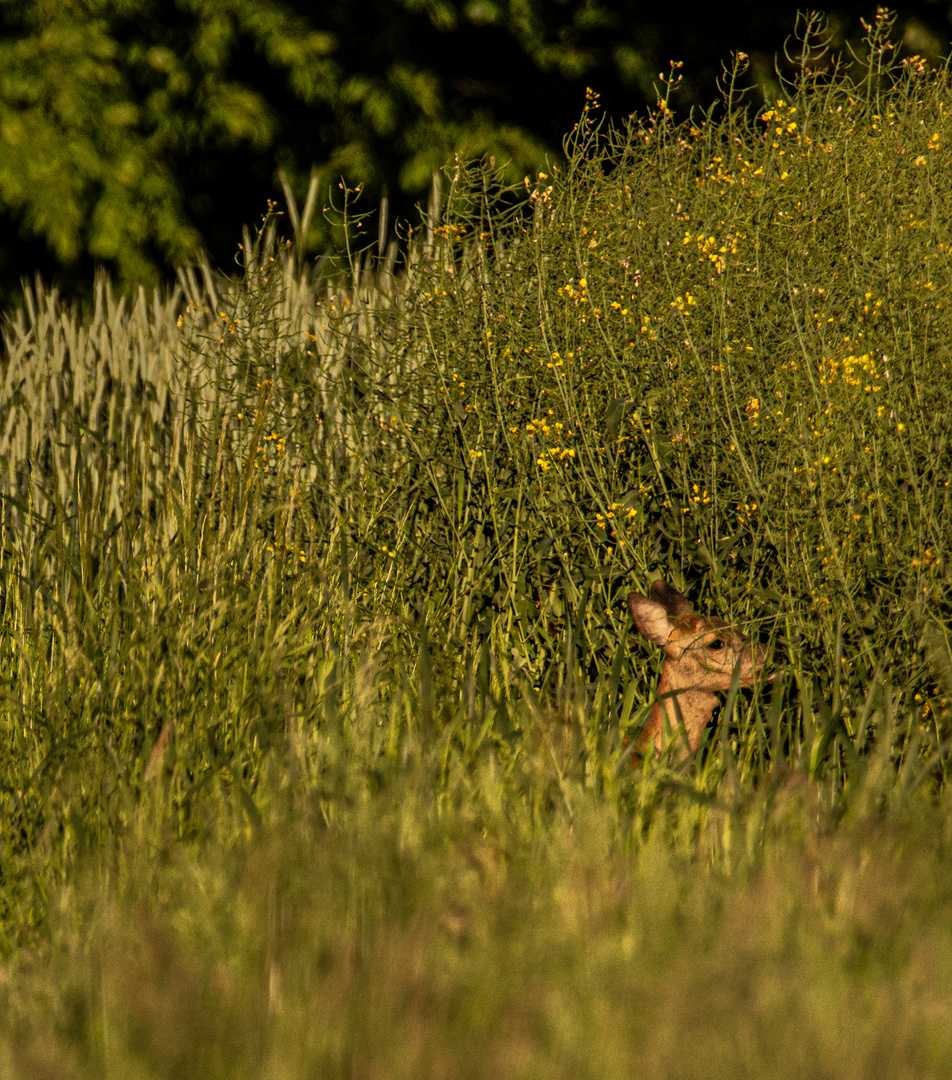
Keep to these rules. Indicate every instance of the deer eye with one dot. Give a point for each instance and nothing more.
(716, 645)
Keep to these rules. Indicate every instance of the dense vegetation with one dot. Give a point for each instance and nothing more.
(136, 132)
(315, 670)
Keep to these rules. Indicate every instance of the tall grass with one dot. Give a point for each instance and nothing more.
(315, 671)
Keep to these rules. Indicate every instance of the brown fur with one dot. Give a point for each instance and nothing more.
(700, 658)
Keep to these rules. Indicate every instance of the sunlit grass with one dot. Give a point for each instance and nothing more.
(316, 679)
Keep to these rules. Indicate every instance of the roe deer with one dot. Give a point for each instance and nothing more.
(700, 656)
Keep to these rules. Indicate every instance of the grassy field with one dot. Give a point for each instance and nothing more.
(316, 673)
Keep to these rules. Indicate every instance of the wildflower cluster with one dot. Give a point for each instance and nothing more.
(684, 303)
(713, 250)
(547, 428)
(577, 293)
(220, 321)
(457, 386)
(856, 371)
(271, 452)
(284, 551)
(616, 518)
(451, 230)
(782, 124)
(538, 192)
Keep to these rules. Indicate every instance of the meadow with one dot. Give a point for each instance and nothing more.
(317, 681)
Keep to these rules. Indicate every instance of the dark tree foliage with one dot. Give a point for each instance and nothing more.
(134, 132)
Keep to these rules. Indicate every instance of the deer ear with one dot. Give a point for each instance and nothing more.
(650, 619)
(670, 599)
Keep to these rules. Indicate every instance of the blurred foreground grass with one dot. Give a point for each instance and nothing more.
(417, 934)
(315, 675)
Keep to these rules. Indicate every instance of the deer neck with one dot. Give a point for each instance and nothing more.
(677, 704)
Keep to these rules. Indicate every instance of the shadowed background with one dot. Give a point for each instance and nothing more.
(134, 134)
